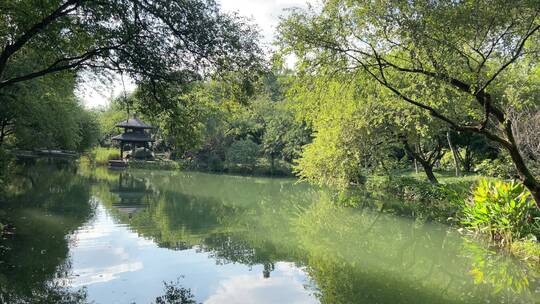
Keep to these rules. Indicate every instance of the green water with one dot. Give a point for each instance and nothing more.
(93, 235)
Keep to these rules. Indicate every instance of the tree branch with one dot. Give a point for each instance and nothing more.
(11, 48)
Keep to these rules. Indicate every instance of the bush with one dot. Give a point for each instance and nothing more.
(413, 189)
(141, 153)
(447, 161)
(102, 156)
(215, 163)
(6, 160)
(527, 249)
(501, 209)
(500, 167)
(243, 154)
(155, 165)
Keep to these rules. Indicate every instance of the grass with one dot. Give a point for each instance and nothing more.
(101, 156)
(444, 177)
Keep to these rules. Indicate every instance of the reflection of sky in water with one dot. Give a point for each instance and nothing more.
(117, 266)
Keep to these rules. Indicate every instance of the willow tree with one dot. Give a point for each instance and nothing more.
(448, 58)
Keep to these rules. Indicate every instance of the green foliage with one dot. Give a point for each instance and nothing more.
(176, 294)
(527, 250)
(180, 113)
(462, 65)
(501, 167)
(155, 165)
(500, 209)
(101, 156)
(413, 189)
(217, 119)
(243, 153)
(6, 166)
(44, 113)
(447, 161)
(172, 40)
(358, 130)
(107, 118)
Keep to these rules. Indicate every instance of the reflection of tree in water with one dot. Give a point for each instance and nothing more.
(176, 294)
(46, 206)
(374, 258)
(364, 254)
(248, 229)
(499, 271)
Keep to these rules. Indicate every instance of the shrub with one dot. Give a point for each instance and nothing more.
(500, 167)
(501, 209)
(447, 161)
(215, 163)
(412, 189)
(155, 165)
(7, 161)
(141, 153)
(528, 249)
(243, 153)
(101, 155)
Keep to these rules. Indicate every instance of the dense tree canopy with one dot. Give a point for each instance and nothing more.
(48, 47)
(149, 40)
(44, 113)
(451, 59)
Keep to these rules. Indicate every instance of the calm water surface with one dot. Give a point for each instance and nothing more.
(93, 235)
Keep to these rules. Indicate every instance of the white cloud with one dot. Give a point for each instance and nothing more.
(93, 275)
(253, 288)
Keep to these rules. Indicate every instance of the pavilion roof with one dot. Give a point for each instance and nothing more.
(133, 137)
(134, 123)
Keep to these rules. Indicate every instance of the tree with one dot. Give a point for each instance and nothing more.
(361, 128)
(244, 153)
(44, 113)
(427, 158)
(149, 40)
(446, 58)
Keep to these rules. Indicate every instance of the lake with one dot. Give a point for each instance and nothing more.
(87, 234)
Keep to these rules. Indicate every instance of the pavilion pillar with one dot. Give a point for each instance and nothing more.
(121, 150)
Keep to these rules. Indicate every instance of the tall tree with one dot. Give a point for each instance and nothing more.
(445, 57)
(180, 40)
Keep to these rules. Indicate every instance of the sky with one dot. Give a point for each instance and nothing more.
(264, 13)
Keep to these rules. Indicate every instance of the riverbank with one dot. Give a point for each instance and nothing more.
(262, 167)
(496, 211)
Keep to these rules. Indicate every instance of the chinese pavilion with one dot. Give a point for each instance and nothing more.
(135, 135)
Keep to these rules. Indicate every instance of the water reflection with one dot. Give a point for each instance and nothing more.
(357, 255)
(252, 240)
(46, 204)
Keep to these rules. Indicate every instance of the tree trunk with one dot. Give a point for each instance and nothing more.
(428, 169)
(526, 177)
(457, 163)
(467, 160)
